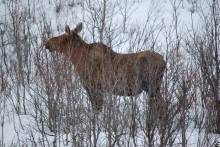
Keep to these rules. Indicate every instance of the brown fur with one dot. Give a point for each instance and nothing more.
(101, 70)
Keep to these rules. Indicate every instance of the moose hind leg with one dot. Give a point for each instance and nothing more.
(156, 100)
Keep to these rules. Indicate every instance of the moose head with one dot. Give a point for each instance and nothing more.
(64, 40)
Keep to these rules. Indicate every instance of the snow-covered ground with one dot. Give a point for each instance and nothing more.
(145, 15)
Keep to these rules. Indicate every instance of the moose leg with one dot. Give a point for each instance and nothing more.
(97, 102)
(96, 99)
(161, 104)
(156, 101)
(151, 110)
(153, 91)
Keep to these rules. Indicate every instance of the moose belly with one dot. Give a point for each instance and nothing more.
(126, 92)
(124, 89)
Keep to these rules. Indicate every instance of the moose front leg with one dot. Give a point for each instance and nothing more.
(96, 99)
(95, 95)
(97, 102)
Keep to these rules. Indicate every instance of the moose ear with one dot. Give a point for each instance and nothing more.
(67, 30)
(78, 28)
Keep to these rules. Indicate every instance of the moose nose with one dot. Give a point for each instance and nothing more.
(47, 46)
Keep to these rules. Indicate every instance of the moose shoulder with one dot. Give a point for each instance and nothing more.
(101, 70)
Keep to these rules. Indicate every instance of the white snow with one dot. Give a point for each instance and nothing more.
(17, 130)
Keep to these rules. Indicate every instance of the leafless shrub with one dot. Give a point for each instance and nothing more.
(44, 86)
(58, 7)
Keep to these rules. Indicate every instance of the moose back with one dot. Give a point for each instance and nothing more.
(101, 70)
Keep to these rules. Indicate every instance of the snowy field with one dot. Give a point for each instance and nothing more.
(129, 26)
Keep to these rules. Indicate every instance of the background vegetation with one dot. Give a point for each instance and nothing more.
(42, 98)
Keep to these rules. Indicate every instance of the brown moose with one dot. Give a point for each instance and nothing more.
(101, 70)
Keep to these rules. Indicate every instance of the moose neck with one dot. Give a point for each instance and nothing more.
(77, 51)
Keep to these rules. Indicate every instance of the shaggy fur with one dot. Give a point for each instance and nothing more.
(101, 70)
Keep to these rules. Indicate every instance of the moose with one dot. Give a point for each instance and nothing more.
(101, 70)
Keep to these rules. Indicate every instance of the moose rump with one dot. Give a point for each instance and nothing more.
(101, 70)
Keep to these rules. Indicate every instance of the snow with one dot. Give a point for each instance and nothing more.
(19, 129)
